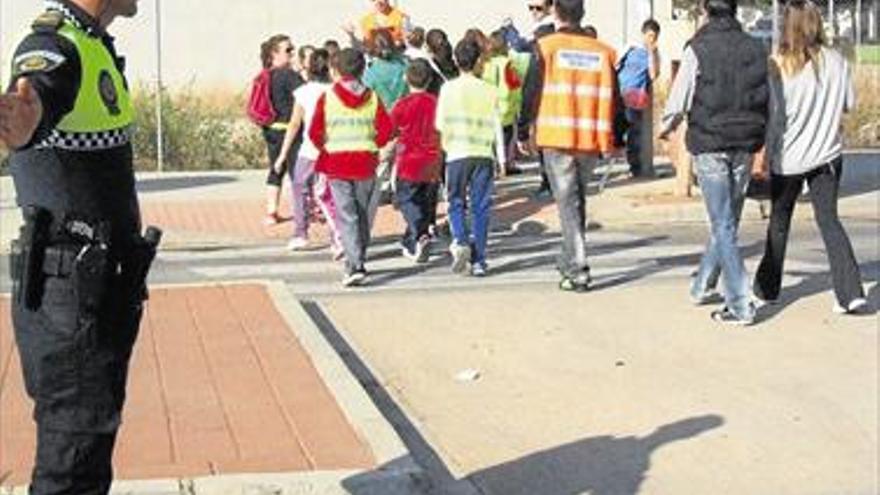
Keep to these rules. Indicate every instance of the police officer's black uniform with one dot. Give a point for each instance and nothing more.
(80, 262)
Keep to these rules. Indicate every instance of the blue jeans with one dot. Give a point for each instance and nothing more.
(469, 184)
(724, 178)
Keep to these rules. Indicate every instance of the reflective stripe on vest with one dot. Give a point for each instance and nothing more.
(350, 129)
(577, 106)
(103, 110)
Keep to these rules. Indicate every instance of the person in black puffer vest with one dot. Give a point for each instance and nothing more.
(723, 90)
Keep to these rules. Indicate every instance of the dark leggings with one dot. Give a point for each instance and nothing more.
(274, 142)
(824, 185)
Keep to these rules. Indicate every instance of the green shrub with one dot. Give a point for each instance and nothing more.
(196, 135)
(869, 54)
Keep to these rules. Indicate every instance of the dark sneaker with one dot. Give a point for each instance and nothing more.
(461, 256)
(708, 297)
(727, 317)
(355, 279)
(542, 193)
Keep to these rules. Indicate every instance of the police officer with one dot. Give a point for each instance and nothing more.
(79, 265)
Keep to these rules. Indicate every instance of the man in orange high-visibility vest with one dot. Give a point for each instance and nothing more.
(569, 99)
(383, 17)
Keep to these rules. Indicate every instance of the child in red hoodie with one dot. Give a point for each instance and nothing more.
(349, 127)
(418, 160)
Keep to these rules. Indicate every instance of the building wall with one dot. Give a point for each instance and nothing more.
(215, 43)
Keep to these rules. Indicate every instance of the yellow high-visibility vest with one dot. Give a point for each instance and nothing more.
(467, 117)
(350, 129)
(103, 103)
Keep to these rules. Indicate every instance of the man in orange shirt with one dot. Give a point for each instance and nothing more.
(383, 17)
(569, 99)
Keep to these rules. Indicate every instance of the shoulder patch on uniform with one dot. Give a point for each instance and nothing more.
(36, 61)
(49, 21)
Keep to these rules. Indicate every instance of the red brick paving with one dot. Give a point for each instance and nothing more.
(242, 218)
(218, 385)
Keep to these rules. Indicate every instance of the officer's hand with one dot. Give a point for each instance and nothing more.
(20, 114)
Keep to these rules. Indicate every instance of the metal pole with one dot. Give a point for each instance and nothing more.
(160, 158)
(858, 30)
(775, 25)
(831, 17)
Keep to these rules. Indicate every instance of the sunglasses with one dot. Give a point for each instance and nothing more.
(536, 8)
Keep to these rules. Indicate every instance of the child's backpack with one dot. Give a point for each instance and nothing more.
(634, 79)
(259, 108)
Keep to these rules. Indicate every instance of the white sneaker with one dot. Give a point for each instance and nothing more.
(461, 256)
(406, 253)
(760, 302)
(297, 244)
(478, 271)
(856, 306)
(423, 250)
(354, 279)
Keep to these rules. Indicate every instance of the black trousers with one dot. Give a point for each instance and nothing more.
(75, 368)
(824, 185)
(274, 142)
(418, 204)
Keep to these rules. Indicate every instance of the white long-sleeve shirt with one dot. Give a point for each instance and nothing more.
(681, 96)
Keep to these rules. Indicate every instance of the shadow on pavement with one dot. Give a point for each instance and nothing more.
(813, 283)
(660, 265)
(164, 184)
(603, 465)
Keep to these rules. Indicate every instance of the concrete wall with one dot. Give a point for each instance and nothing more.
(214, 43)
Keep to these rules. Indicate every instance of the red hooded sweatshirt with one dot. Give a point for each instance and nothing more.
(349, 165)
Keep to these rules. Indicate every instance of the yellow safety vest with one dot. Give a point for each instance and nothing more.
(495, 73)
(468, 110)
(350, 129)
(103, 103)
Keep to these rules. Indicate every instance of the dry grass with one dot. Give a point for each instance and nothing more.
(862, 126)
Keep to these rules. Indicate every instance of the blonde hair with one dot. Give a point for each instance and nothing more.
(803, 37)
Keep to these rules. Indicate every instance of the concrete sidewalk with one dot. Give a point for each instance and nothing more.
(624, 390)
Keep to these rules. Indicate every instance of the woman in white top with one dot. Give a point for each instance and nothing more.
(812, 90)
(307, 183)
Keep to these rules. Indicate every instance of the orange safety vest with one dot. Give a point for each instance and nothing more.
(576, 112)
(393, 22)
